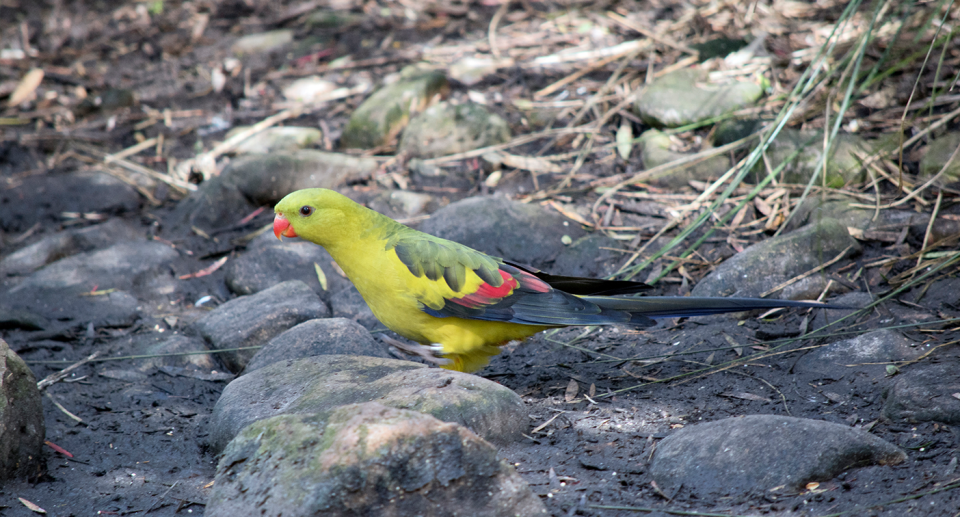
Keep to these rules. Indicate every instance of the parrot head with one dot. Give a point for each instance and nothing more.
(317, 215)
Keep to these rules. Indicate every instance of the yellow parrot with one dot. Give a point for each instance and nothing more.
(464, 304)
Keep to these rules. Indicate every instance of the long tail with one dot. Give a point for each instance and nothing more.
(643, 309)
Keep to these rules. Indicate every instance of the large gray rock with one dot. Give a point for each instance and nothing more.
(384, 114)
(328, 336)
(756, 453)
(21, 418)
(64, 244)
(253, 320)
(924, 393)
(656, 151)
(937, 155)
(320, 383)
(521, 233)
(766, 265)
(444, 129)
(29, 201)
(680, 98)
(365, 459)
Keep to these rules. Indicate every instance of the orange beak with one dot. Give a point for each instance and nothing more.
(281, 226)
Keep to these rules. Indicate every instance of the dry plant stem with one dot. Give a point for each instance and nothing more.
(650, 34)
(801, 276)
(671, 224)
(574, 76)
(180, 186)
(933, 217)
(57, 377)
(63, 409)
(923, 187)
(492, 31)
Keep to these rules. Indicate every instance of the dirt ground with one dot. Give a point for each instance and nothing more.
(598, 400)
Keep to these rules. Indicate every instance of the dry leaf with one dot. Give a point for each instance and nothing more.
(207, 270)
(27, 87)
(321, 276)
(572, 389)
(31, 506)
(625, 139)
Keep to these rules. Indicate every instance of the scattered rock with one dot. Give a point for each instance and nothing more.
(253, 320)
(470, 70)
(77, 192)
(277, 139)
(937, 155)
(925, 392)
(267, 262)
(347, 303)
(262, 42)
(64, 244)
(868, 353)
(763, 266)
(384, 115)
(20, 318)
(526, 234)
(365, 459)
(445, 129)
(756, 453)
(655, 147)
(308, 89)
(21, 418)
(402, 204)
(256, 180)
(680, 98)
(177, 344)
(330, 336)
(320, 383)
(118, 267)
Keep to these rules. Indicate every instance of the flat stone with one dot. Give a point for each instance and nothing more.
(522, 233)
(28, 202)
(320, 383)
(365, 459)
(444, 129)
(387, 111)
(21, 418)
(756, 453)
(926, 392)
(253, 320)
(655, 149)
(767, 264)
(64, 244)
(328, 336)
(679, 98)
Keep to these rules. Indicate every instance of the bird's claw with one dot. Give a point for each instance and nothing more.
(430, 353)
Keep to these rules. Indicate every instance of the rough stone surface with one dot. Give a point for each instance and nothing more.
(329, 336)
(79, 192)
(320, 383)
(756, 453)
(267, 262)
(924, 393)
(877, 348)
(937, 155)
(277, 139)
(365, 459)
(677, 99)
(384, 114)
(444, 129)
(253, 320)
(526, 234)
(64, 244)
(766, 265)
(119, 266)
(655, 148)
(21, 418)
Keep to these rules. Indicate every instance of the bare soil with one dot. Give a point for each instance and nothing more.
(599, 401)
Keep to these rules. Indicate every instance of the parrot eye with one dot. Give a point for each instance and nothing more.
(306, 211)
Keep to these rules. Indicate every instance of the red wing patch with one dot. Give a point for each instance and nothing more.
(487, 294)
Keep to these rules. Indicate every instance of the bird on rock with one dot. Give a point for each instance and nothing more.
(463, 304)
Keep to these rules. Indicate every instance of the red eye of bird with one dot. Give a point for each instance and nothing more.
(306, 211)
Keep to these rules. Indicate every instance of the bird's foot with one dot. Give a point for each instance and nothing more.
(430, 353)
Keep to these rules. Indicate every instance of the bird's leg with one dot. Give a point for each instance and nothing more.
(430, 353)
